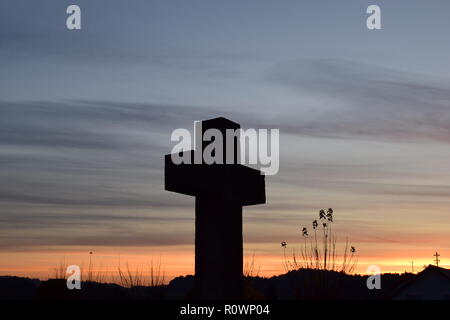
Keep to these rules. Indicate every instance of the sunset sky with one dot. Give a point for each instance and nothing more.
(86, 117)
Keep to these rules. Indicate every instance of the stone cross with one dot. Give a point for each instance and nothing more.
(220, 191)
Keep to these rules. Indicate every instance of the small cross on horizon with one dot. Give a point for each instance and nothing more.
(437, 260)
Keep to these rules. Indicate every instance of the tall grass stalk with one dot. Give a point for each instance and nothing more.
(250, 270)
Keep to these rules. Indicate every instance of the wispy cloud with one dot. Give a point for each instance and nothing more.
(67, 165)
(366, 101)
(90, 154)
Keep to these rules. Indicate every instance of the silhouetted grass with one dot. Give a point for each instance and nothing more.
(130, 278)
(126, 276)
(319, 250)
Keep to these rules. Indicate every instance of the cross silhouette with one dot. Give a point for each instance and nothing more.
(220, 191)
(437, 255)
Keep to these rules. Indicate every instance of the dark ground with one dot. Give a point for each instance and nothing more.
(301, 284)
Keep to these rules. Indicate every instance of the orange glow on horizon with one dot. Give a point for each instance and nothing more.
(174, 261)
